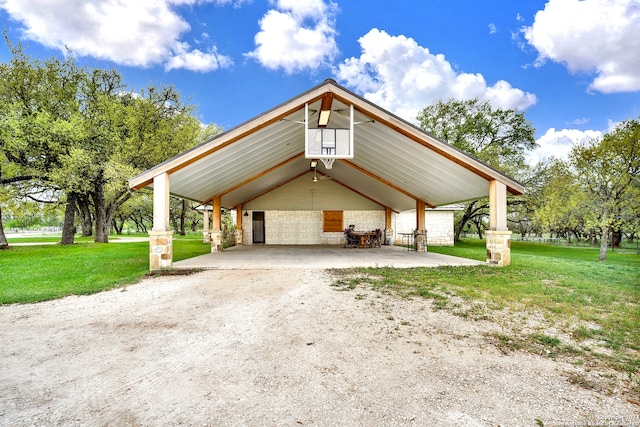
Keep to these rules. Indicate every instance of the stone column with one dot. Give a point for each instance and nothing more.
(216, 231)
(216, 240)
(160, 236)
(421, 240)
(160, 249)
(498, 247)
(498, 236)
(206, 235)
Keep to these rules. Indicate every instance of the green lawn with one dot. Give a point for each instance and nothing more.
(561, 291)
(44, 272)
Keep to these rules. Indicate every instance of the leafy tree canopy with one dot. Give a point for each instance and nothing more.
(80, 131)
(500, 138)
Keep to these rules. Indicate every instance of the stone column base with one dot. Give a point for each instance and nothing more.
(160, 249)
(239, 237)
(421, 240)
(498, 247)
(206, 237)
(388, 236)
(216, 241)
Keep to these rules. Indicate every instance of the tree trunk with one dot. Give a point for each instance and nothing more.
(616, 238)
(140, 227)
(85, 216)
(183, 214)
(478, 228)
(102, 226)
(116, 227)
(603, 244)
(468, 213)
(3, 239)
(69, 227)
(604, 236)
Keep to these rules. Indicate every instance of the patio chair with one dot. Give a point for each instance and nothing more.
(350, 241)
(376, 238)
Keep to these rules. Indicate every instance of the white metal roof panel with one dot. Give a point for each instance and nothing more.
(394, 162)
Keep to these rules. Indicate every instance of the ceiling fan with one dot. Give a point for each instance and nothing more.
(322, 177)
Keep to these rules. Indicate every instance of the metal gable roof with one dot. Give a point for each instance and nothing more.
(394, 162)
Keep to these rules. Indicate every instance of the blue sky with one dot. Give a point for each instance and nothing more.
(573, 66)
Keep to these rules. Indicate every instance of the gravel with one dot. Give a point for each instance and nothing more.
(275, 348)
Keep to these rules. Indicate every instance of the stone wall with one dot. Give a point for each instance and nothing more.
(305, 227)
(439, 225)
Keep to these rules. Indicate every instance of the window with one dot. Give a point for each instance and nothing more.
(332, 221)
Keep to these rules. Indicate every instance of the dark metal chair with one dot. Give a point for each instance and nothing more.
(350, 240)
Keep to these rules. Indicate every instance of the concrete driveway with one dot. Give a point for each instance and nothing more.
(266, 257)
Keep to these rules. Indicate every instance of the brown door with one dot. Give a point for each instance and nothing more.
(258, 227)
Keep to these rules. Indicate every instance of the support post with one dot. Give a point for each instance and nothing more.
(206, 234)
(160, 236)
(388, 227)
(498, 235)
(216, 226)
(239, 233)
(421, 231)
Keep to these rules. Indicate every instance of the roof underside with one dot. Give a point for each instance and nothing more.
(394, 163)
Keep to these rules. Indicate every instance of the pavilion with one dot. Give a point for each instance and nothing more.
(302, 171)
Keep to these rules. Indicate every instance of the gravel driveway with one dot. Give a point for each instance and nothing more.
(273, 348)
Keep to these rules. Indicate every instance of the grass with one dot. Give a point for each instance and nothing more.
(554, 301)
(44, 272)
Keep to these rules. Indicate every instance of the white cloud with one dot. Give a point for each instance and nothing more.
(296, 35)
(403, 77)
(599, 36)
(558, 143)
(137, 33)
(492, 28)
(197, 60)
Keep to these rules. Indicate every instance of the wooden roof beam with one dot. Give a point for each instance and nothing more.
(383, 181)
(325, 110)
(358, 192)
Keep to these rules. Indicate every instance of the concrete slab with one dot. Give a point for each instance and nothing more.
(259, 257)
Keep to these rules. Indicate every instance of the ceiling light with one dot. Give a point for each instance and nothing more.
(323, 120)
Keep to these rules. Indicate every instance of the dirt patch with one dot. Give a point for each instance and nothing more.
(276, 347)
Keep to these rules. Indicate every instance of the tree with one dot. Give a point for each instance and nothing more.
(560, 207)
(38, 114)
(498, 137)
(608, 172)
(80, 133)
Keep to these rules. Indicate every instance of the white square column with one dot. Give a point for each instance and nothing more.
(160, 236)
(498, 235)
